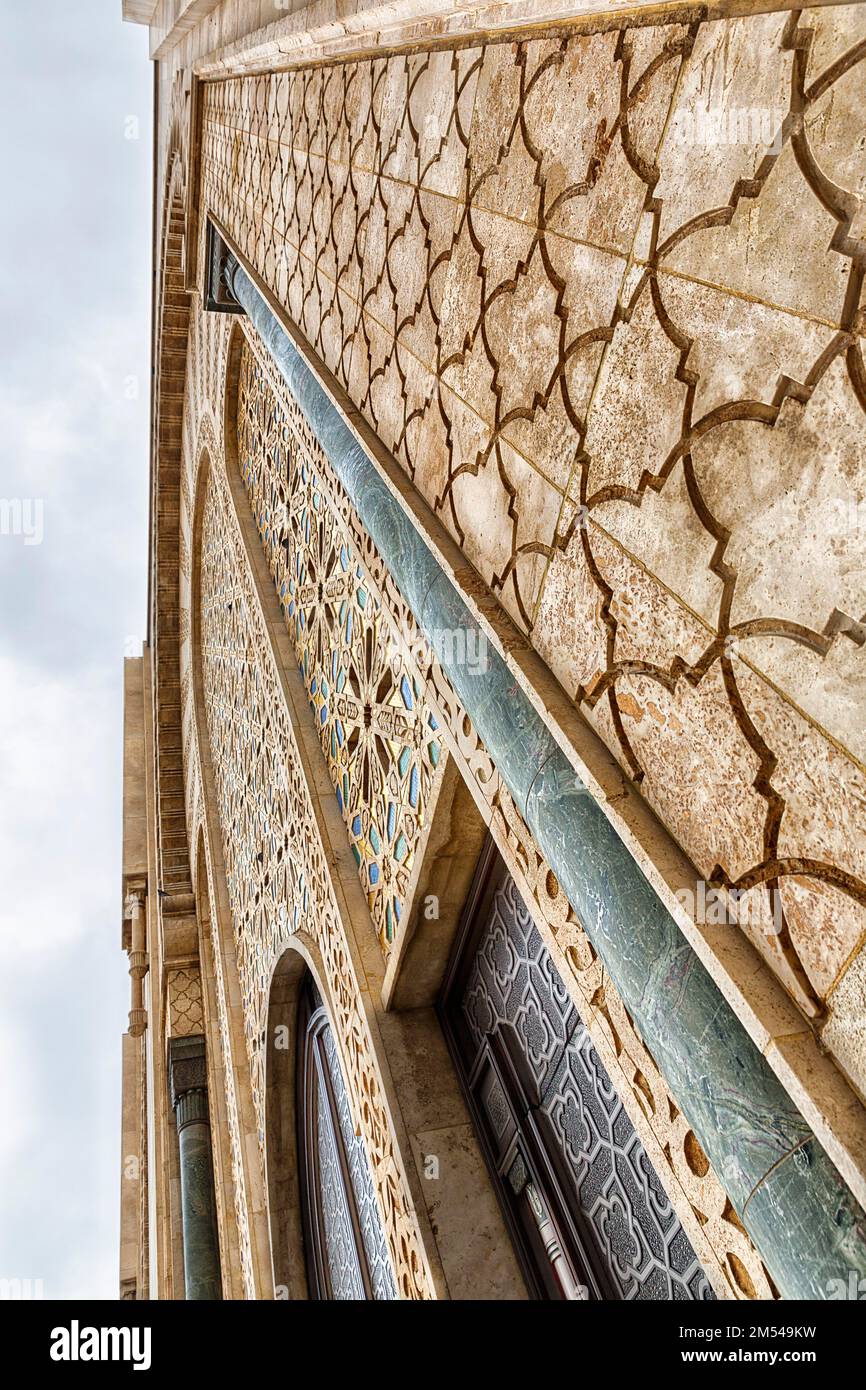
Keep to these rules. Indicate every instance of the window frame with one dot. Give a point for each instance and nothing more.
(313, 1083)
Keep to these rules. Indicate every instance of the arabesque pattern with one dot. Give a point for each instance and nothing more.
(562, 280)
(514, 985)
(277, 873)
(377, 731)
(712, 1225)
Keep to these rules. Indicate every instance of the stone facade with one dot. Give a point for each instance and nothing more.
(591, 294)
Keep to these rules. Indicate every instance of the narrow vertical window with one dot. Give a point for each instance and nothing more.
(347, 1257)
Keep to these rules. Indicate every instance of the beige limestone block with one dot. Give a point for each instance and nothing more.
(699, 768)
(337, 334)
(833, 31)
(739, 349)
(364, 79)
(436, 119)
(505, 511)
(452, 438)
(465, 1216)
(569, 631)
(729, 105)
(489, 252)
(636, 416)
(501, 169)
(825, 924)
(548, 334)
(845, 1031)
(389, 226)
(834, 133)
(666, 535)
(823, 789)
(651, 624)
(552, 432)
(508, 345)
(595, 111)
(765, 249)
(830, 688)
(790, 494)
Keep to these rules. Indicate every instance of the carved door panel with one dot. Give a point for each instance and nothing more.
(588, 1215)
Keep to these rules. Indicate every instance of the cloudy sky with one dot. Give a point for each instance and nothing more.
(75, 292)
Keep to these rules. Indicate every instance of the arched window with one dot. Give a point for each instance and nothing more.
(346, 1254)
(587, 1213)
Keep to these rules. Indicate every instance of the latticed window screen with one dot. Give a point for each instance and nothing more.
(553, 1119)
(347, 1256)
(377, 732)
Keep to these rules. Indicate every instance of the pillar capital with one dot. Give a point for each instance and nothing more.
(187, 1070)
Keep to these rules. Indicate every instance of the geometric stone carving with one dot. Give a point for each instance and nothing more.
(277, 875)
(633, 453)
(185, 1004)
(376, 728)
(712, 1225)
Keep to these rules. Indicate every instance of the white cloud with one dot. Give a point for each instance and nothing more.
(53, 754)
(19, 1101)
(76, 303)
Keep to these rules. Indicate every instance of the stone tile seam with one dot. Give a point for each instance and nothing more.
(612, 251)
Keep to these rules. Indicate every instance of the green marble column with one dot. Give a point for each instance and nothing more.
(188, 1078)
(797, 1209)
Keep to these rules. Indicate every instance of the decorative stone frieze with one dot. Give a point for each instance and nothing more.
(616, 396)
(701, 1202)
(630, 393)
(185, 1003)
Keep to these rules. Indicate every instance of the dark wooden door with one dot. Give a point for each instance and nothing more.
(588, 1215)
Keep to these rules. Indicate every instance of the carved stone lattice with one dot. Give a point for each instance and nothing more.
(536, 267)
(712, 1224)
(277, 874)
(377, 730)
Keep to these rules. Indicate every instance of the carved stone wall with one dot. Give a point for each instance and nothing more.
(278, 880)
(185, 1004)
(265, 827)
(564, 281)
